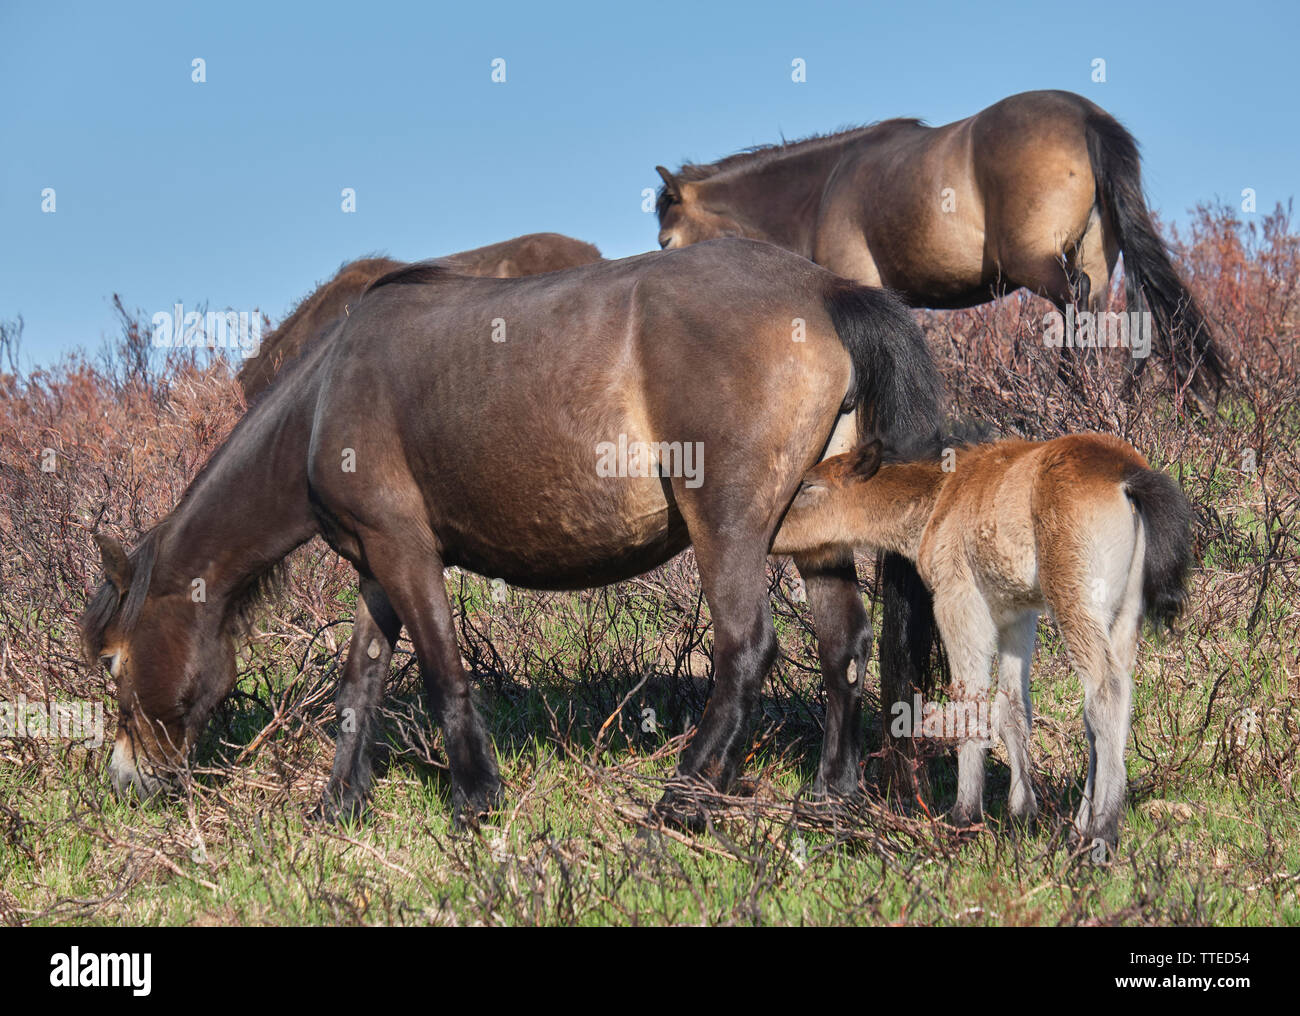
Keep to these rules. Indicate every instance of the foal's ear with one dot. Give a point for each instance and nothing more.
(866, 460)
(117, 566)
(671, 186)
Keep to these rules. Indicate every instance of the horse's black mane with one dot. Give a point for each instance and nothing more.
(417, 274)
(758, 155)
(104, 603)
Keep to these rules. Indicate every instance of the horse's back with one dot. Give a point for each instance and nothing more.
(525, 407)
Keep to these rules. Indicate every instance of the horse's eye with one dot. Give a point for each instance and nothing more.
(664, 241)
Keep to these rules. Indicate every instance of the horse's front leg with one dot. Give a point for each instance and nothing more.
(361, 690)
(844, 647)
(404, 562)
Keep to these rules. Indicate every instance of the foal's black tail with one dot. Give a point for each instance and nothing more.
(897, 395)
(1167, 522)
(1182, 334)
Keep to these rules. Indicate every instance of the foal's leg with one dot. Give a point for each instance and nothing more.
(1106, 710)
(1107, 693)
(410, 571)
(1013, 711)
(1108, 707)
(969, 638)
(361, 690)
(843, 647)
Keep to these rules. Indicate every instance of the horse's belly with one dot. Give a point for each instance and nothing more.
(567, 537)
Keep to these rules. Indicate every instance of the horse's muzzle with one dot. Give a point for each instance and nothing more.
(126, 773)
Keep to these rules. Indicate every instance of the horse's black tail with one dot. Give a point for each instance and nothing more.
(897, 395)
(1167, 521)
(897, 387)
(1182, 334)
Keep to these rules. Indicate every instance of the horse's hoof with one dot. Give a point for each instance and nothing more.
(847, 791)
(336, 809)
(820, 804)
(675, 810)
(471, 807)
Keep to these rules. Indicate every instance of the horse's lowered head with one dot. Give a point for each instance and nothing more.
(169, 648)
(685, 213)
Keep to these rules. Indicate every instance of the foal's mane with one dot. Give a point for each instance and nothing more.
(958, 435)
(757, 156)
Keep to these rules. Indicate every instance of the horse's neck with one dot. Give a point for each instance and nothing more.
(777, 197)
(248, 508)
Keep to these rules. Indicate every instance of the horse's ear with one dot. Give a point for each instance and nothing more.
(117, 566)
(866, 460)
(671, 186)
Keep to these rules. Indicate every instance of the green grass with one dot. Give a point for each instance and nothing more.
(1209, 835)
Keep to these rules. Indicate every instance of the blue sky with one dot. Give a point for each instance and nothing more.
(228, 192)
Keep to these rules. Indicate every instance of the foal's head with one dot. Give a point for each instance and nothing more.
(170, 654)
(685, 217)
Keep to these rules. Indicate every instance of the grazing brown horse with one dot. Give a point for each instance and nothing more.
(1081, 526)
(530, 254)
(565, 430)
(1041, 190)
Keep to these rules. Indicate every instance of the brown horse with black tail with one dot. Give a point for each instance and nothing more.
(463, 421)
(1041, 190)
(530, 254)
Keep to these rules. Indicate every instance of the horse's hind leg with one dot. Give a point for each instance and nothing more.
(1013, 712)
(843, 647)
(360, 693)
(744, 648)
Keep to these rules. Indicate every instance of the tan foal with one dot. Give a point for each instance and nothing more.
(1081, 526)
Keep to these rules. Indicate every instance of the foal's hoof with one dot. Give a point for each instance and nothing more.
(823, 805)
(844, 790)
(965, 818)
(1098, 850)
(1022, 821)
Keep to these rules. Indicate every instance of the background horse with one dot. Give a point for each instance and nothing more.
(1041, 190)
(1081, 526)
(529, 254)
(461, 421)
